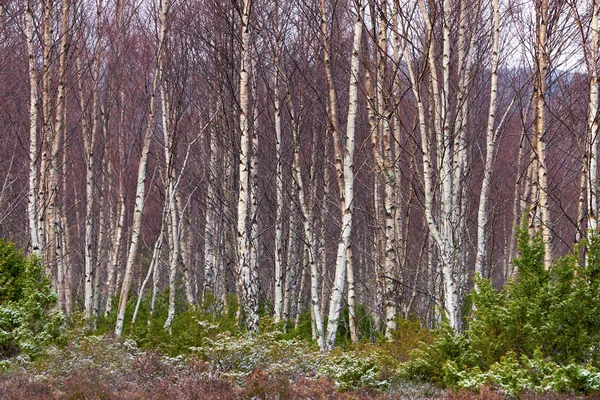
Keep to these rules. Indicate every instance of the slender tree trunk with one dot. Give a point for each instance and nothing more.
(540, 125)
(307, 214)
(592, 141)
(249, 300)
(347, 196)
(153, 265)
(482, 215)
(172, 207)
(210, 224)
(141, 177)
(299, 297)
(278, 291)
(32, 206)
(351, 296)
(290, 273)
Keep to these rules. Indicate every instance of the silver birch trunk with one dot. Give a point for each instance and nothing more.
(141, 177)
(351, 296)
(54, 205)
(593, 124)
(89, 136)
(253, 233)
(249, 300)
(156, 252)
(310, 242)
(172, 208)
(482, 214)
(278, 287)
(32, 206)
(303, 272)
(540, 129)
(290, 273)
(347, 196)
(210, 224)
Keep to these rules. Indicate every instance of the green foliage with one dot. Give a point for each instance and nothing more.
(408, 336)
(359, 369)
(192, 326)
(540, 332)
(85, 352)
(556, 310)
(428, 360)
(28, 316)
(513, 375)
(237, 355)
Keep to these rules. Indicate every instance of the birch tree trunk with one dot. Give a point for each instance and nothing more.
(351, 296)
(156, 253)
(347, 196)
(310, 242)
(141, 177)
(379, 117)
(249, 297)
(253, 233)
(592, 141)
(540, 125)
(172, 207)
(211, 218)
(32, 206)
(482, 214)
(278, 290)
(90, 134)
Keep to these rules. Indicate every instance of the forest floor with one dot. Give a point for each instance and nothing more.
(147, 381)
(153, 376)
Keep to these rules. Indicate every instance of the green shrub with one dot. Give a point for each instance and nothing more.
(359, 369)
(539, 333)
(29, 319)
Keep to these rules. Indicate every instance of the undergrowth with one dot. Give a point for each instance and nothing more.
(537, 336)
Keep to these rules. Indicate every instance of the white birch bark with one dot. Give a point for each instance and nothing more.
(482, 214)
(290, 272)
(351, 296)
(445, 257)
(278, 288)
(156, 252)
(593, 123)
(210, 222)
(323, 233)
(44, 198)
(172, 208)
(540, 128)
(32, 207)
(347, 196)
(310, 242)
(249, 298)
(54, 140)
(253, 233)
(90, 134)
(384, 158)
(141, 177)
(189, 275)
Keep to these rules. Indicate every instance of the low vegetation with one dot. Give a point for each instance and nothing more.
(537, 336)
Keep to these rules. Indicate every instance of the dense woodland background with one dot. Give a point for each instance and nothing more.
(302, 155)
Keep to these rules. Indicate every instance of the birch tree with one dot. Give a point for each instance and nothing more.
(249, 297)
(539, 127)
(278, 287)
(347, 195)
(141, 174)
(592, 123)
(482, 214)
(32, 206)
